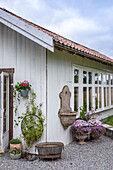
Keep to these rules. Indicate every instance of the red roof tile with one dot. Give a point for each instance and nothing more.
(64, 41)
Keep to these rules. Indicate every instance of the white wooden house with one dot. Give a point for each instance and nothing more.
(49, 62)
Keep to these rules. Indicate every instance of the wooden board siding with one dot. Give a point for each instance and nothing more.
(29, 61)
(60, 73)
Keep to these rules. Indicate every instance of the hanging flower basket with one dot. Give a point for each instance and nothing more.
(22, 88)
(24, 93)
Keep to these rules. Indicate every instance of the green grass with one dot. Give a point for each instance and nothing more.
(109, 121)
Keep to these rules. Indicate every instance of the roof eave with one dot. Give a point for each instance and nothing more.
(82, 54)
(27, 30)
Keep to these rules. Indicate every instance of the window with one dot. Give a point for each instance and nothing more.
(76, 89)
(76, 99)
(92, 89)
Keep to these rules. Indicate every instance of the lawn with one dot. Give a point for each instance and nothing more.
(109, 121)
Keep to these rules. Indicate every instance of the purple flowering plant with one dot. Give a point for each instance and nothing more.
(94, 122)
(97, 130)
(87, 115)
(80, 127)
(96, 127)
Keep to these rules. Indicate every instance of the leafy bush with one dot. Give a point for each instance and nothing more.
(15, 141)
(15, 151)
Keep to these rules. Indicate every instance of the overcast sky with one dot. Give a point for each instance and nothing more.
(88, 22)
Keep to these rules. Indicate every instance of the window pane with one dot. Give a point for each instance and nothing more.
(111, 95)
(75, 98)
(100, 97)
(84, 77)
(89, 77)
(96, 97)
(111, 79)
(104, 78)
(90, 98)
(5, 103)
(107, 79)
(96, 78)
(104, 97)
(85, 98)
(107, 96)
(100, 78)
(76, 76)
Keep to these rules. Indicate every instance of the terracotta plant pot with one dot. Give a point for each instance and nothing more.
(18, 146)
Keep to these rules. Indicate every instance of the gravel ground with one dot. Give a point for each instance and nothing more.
(93, 156)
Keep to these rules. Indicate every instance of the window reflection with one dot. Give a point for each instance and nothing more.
(107, 78)
(111, 79)
(111, 95)
(100, 97)
(104, 96)
(96, 97)
(84, 77)
(85, 98)
(100, 78)
(104, 78)
(90, 98)
(107, 96)
(76, 76)
(76, 99)
(89, 77)
(96, 78)
(5, 104)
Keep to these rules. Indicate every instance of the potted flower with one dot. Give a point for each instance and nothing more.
(80, 130)
(96, 129)
(84, 115)
(15, 143)
(23, 88)
(15, 153)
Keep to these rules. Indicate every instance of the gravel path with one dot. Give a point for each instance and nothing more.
(93, 156)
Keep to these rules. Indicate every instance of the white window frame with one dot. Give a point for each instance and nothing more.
(80, 85)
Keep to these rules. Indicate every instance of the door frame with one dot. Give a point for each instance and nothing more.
(10, 71)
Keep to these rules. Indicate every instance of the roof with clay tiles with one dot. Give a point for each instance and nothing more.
(64, 41)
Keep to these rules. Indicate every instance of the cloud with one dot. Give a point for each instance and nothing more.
(94, 29)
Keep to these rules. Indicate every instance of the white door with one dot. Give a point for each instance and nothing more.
(4, 110)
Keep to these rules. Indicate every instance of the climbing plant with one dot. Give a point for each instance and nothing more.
(31, 121)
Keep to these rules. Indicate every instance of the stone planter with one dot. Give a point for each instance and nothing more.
(50, 149)
(66, 115)
(18, 146)
(96, 137)
(96, 132)
(67, 119)
(24, 93)
(17, 156)
(82, 138)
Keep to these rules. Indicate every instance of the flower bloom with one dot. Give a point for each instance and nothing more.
(94, 122)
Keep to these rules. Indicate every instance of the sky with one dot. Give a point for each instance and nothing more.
(87, 22)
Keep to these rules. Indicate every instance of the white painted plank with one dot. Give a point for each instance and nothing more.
(26, 30)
